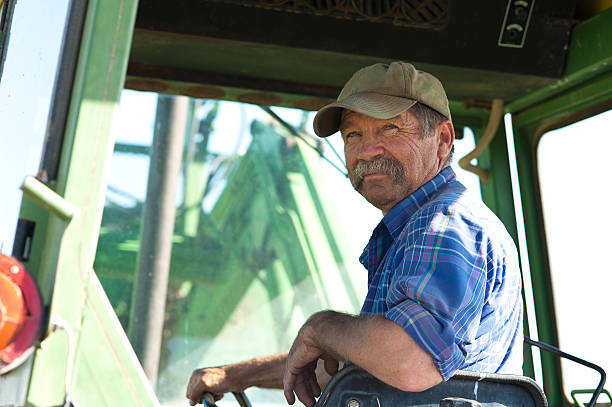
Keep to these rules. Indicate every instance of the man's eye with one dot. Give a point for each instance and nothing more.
(390, 127)
(351, 134)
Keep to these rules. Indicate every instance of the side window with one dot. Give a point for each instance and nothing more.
(265, 234)
(267, 231)
(26, 92)
(573, 166)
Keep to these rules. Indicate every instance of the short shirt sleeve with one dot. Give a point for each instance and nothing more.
(437, 288)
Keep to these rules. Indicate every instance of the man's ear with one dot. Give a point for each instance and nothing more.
(446, 138)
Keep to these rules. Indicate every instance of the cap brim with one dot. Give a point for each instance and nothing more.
(327, 120)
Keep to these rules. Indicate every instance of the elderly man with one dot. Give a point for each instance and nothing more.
(444, 289)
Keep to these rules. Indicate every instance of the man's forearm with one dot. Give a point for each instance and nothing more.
(375, 344)
(266, 372)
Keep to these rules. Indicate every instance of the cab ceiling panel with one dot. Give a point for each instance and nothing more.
(300, 52)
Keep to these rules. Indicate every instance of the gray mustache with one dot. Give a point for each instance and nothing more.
(389, 166)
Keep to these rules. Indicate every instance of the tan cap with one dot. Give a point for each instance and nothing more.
(383, 91)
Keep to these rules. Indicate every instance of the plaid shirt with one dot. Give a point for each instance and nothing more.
(442, 266)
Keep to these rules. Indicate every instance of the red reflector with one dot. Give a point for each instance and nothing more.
(20, 313)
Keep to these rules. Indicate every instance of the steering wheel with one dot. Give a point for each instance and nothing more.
(209, 401)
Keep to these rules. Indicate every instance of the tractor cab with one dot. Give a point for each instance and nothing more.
(166, 205)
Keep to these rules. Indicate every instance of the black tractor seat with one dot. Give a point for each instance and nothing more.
(354, 387)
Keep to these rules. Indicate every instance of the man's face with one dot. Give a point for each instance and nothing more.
(387, 160)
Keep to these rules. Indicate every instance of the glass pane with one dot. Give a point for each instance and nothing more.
(26, 87)
(265, 234)
(572, 163)
(257, 246)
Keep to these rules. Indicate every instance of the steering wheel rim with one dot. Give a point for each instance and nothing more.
(240, 396)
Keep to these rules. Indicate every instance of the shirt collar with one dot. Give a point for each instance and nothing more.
(394, 221)
(397, 217)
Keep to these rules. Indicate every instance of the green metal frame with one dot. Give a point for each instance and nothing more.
(587, 391)
(48, 199)
(84, 333)
(585, 91)
(589, 57)
(498, 196)
(497, 193)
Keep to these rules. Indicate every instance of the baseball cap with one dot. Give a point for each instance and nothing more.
(383, 91)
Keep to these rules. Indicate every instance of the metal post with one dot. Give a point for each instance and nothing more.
(149, 295)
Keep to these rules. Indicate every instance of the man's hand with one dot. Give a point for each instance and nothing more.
(212, 380)
(374, 343)
(265, 371)
(300, 373)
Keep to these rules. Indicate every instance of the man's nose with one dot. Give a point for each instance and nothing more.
(370, 148)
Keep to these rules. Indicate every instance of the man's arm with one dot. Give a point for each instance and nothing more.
(266, 372)
(373, 343)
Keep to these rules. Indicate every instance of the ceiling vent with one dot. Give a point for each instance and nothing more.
(405, 13)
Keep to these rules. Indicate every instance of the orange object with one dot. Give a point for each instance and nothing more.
(12, 310)
(20, 313)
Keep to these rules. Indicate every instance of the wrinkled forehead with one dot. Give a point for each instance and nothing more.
(348, 117)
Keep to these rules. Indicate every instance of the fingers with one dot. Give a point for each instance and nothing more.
(304, 392)
(330, 364)
(209, 380)
(288, 385)
(301, 386)
(300, 377)
(315, 389)
(194, 392)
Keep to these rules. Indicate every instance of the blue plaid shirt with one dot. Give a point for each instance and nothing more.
(441, 265)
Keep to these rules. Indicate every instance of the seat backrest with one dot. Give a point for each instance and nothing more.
(354, 387)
